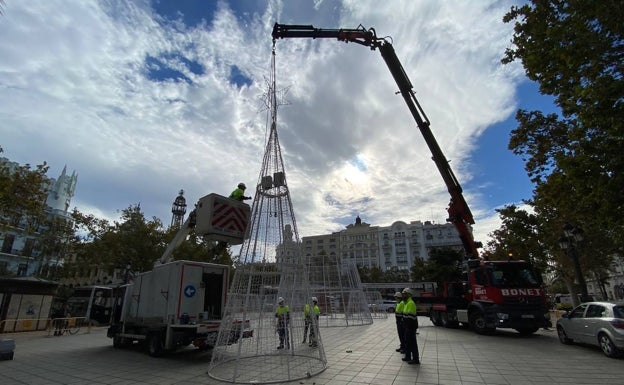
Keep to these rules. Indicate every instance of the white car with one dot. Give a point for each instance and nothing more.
(596, 323)
(387, 306)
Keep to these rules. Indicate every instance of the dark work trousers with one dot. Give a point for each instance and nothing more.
(307, 322)
(411, 345)
(400, 332)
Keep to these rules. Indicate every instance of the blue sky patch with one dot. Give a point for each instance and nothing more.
(237, 77)
(190, 12)
(171, 67)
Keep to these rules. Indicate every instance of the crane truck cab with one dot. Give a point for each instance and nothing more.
(182, 302)
(494, 294)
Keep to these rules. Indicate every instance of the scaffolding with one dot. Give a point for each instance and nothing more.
(269, 267)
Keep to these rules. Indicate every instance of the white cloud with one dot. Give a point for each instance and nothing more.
(74, 91)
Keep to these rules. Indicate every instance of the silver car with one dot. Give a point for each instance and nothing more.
(595, 323)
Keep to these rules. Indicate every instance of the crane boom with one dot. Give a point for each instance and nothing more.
(458, 210)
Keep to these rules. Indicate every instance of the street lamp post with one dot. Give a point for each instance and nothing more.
(571, 236)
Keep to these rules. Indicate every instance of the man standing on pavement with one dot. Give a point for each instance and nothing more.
(410, 324)
(398, 314)
(282, 314)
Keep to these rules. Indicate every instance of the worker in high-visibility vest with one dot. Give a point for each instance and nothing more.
(282, 313)
(307, 321)
(239, 193)
(410, 325)
(398, 314)
(316, 312)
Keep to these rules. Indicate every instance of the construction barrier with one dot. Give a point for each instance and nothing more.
(24, 325)
(68, 323)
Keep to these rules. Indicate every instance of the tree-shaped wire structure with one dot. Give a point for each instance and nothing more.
(270, 266)
(338, 287)
(375, 300)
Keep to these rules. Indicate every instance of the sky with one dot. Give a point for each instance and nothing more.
(144, 98)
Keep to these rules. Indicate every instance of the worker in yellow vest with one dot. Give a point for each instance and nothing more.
(410, 325)
(282, 313)
(310, 318)
(398, 314)
(307, 322)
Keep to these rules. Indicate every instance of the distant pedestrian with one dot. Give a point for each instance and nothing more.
(410, 325)
(398, 314)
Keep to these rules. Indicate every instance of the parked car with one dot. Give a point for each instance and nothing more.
(387, 306)
(596, 323)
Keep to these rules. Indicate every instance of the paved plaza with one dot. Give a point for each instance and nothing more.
(356, 356)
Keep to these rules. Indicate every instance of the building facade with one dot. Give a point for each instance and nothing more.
(386, 247)
(19, 252)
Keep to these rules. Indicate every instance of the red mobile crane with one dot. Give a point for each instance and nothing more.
(482, 299)
(459, 213)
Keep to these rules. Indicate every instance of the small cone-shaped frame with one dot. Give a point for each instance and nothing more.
(374, 300)
(259, 341)
(339, 289)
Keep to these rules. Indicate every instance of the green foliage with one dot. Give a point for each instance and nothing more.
(519, 237)
(443, 265)
(371, 274)
(197, 248)
(574, 49)
(22, 195)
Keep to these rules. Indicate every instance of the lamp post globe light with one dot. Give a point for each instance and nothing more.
(572, 235)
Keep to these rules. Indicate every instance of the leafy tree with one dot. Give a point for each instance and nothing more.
(22, 195)
(371, 274)
(443, 265)
(53, 244)
(198, 248)
(132, 240)
(519, 237)
(574, 49)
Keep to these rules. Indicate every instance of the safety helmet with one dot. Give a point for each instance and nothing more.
(242, 185)
(280, 300)
(407, 290)
(398, 294)
(314, 299)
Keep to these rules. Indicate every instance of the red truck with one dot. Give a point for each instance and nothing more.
(480, 299)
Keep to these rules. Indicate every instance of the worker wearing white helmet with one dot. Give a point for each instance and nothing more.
(282, 313)
(410, 325)
(239, 193)
(310, 319)
(398, 313)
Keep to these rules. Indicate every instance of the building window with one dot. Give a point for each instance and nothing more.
(7, 245)
(28, 247)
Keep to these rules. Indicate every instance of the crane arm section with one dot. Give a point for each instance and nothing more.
(458, 210)
(180, 236)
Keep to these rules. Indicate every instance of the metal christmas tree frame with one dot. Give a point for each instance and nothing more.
(270, 266)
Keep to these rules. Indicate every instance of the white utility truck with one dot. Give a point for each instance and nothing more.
(179, 303)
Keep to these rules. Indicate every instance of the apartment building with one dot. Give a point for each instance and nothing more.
(19, 252)
(386, 247)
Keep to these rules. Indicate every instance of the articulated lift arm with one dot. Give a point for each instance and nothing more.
(459, 212)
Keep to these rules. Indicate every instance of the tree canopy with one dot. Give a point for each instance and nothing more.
(574, 50)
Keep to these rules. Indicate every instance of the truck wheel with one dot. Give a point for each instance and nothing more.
(444, 320)
(119, 342)
(435, 318)
(155, 346)
(448, 323)
(478, 324)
